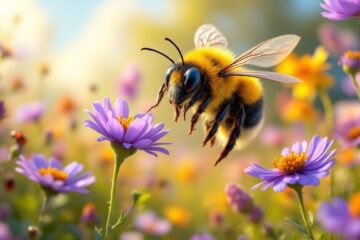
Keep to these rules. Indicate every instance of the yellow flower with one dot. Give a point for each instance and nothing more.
(186, 171)
(177, 215)
(298, 110)
(216, 201)
(311, 70)
(106, 154)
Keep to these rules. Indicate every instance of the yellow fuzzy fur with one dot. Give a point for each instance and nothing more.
(249, 89)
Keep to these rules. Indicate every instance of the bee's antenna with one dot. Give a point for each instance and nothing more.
(157, 51)
(182, 58)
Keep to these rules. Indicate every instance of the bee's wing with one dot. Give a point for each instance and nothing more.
(266, 54)
(208, 35)
(277, 77)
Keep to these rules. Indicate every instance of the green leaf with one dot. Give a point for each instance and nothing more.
(98, 235)
(297, 225)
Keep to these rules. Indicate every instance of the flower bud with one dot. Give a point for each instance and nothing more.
(34, 232)
(240, 200)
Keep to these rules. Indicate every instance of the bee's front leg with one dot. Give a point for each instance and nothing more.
(234, 134)
(159, 97)
(198, 112)
(223, 110)
(192, 101)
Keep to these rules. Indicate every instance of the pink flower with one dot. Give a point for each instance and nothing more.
(129, 81)
(150, 223)
(337, 40)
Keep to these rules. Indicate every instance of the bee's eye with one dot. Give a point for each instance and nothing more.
(167, 75)
(191, 79)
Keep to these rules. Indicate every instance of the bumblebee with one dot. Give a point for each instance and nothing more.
(214, 84)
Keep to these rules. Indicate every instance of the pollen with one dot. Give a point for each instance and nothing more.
(353, 133)
(352, 55)
(125, 122)
(291, 163)
(354, 205)
(54, 172)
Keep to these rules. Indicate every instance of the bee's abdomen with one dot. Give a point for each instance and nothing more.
(254, 113)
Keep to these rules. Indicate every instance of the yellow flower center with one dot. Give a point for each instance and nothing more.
(125, 122)
(352, 55)
(354, 205)
(353, 133)
(56, 173)
(291, 163)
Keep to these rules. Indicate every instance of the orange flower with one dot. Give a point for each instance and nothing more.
(348, 156)
(177, 215)
(186, 171)
(298, 110)
(311, 70)
(66, 105)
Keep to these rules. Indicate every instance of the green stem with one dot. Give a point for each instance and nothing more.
(43, 208)
(356, 85)
(118, 162)
(332, 183)
(328, 109)
(120, 155)
(298, 190)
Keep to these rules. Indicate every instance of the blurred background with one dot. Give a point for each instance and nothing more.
(68, 54)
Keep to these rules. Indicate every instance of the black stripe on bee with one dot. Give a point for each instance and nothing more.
(253, 112)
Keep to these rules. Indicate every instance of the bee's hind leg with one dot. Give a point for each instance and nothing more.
(198, 112)
(234, 134)
(223, 110)
(159, 97)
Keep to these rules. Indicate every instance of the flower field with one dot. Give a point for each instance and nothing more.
(175, 120)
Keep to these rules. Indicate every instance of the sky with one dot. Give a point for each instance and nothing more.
(70, 17)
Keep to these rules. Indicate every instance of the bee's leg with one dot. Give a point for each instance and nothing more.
(177, 113)
(207, 127)
(159, 97)
(199, 111)
(234, 135)
(212, 142)
(192, 102)
(224, 109)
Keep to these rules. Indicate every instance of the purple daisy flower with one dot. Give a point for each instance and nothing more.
(53, 176)
(117, 126)
(303, 163)
(340, 9)
(339, 217)
(349, 132)
(31, 112)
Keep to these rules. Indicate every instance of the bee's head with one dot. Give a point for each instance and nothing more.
(182, 81)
